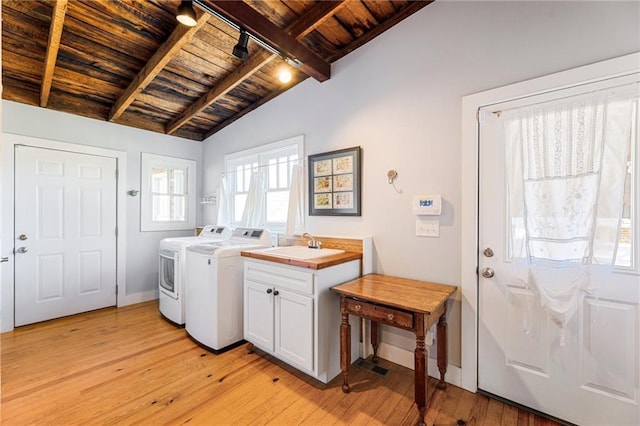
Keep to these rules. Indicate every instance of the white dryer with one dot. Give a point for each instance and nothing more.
(214, 296)
(172, 269)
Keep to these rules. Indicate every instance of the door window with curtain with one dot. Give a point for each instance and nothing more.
(275, 161)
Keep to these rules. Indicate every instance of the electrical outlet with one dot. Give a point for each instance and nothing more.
(427, 228)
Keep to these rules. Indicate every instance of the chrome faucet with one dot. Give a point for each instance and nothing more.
(312, 243)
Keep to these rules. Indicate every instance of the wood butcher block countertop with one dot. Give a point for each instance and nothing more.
(319, 263)
(413, 295)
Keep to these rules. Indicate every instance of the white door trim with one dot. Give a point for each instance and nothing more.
(471, 104)
(7, 157)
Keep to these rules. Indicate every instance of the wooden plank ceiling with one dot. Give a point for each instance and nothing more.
(132, 63)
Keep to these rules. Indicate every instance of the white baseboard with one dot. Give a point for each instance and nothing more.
(130, 299)
(405, 358)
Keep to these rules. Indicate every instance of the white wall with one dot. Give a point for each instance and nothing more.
(141, 247)
(399, 98)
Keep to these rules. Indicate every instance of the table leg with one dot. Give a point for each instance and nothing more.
(345, 347)
(374, 340)
(419, 368)
(442, 348)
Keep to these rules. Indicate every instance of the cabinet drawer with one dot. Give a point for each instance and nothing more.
(287, 278)
(383, 314)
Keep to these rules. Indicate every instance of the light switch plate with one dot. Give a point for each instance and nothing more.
(427, 228)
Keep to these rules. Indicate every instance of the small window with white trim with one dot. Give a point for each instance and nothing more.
(167, 197)
(276, 160)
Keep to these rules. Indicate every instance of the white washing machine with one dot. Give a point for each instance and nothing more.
(214, 296)
(172, 269)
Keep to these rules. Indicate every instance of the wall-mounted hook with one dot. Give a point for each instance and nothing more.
(133, 192)
(391, 175)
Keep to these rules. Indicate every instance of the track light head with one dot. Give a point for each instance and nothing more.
(186, 15)
(240, 49)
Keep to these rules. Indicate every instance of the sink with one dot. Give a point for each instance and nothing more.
(300, 252)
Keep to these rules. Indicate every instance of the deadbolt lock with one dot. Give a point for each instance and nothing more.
(487, 272)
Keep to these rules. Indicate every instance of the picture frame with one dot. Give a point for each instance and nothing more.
(334, 183)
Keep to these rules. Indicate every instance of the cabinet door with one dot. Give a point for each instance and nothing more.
(258, 315)
(294, 328)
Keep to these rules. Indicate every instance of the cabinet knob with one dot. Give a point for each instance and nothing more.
(357, 307)
(269, 291)
(390, 317)
(276, 292)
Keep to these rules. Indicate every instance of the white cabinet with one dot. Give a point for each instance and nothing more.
(290, 313)
(294, 328)
(258, 314)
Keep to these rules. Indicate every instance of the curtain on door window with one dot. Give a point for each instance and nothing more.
(565, 165)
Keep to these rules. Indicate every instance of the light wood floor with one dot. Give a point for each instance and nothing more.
(129, 366)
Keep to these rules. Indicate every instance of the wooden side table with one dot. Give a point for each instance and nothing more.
(399, 302)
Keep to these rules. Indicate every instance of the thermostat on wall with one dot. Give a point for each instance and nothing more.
(427, 204)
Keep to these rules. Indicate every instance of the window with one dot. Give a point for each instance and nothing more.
(168, 193)
(276, 160)
(625, 254)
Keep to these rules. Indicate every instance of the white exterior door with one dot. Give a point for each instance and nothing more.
(593, 376)
(65, 233)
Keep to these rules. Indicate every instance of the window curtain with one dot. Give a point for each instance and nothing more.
(565, 167)
(256, 198)
(295, 212)
(224, 203)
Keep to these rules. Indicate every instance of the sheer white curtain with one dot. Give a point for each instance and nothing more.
(295, 212)
(224, 203)
(565, 167)
(254, 207)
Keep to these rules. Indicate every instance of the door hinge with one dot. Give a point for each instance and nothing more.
(117, 173)
(116, 289)
(116, 231)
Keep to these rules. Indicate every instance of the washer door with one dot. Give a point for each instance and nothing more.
(168, 273)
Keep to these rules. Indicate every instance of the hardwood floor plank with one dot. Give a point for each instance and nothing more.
(509, 416)
(129, 366)
(494, 412)
(479, 411)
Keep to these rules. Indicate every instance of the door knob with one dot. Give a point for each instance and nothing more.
(22, 237)
(22, 250)
(488, 272)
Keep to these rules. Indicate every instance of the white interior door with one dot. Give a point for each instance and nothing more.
(592, 378)
(65, 233)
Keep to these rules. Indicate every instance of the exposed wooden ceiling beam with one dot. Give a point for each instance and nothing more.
(254, 22)
(55, 34)
(178, 38)
(251, 107)
(227, 84)
(409, 10)
(298, 29)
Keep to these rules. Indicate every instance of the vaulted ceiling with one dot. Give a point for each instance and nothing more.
(132, 63)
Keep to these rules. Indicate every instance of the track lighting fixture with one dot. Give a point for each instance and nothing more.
(240, 49)
(284, 75)
(186, 15)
